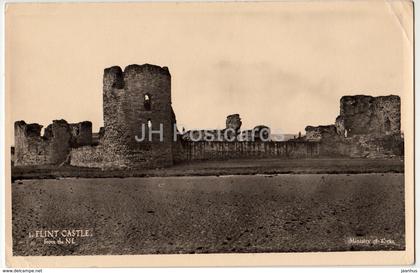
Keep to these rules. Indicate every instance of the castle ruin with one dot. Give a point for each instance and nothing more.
(366, 127)
(137, 103)
(54, 146)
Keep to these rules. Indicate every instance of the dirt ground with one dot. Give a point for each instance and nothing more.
(209, 214)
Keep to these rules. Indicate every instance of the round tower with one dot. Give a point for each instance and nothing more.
(138, 129)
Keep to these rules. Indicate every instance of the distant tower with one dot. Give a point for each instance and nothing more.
(136, 101)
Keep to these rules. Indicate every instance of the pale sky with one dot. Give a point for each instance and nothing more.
(284, 65)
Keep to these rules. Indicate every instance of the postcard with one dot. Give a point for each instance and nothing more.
(209, 133)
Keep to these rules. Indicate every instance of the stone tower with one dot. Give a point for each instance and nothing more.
(369, 115)
(136, 102)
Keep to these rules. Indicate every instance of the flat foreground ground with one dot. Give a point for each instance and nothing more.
(208, 214)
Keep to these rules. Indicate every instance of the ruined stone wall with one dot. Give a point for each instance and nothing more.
(81, 133)
(59, 143)
(233, 126)
(138, 100)
(127, 115)
(33, 149)
(52, 148)
(88, 156)
(366, 127)
(369, 146)
(317, 133)
(206, 150)
(330, 142)
(30, 148)
(360, 115)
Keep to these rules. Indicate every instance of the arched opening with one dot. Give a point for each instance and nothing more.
(147, 102)
(149, 124)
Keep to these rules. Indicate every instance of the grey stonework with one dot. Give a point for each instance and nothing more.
(54, 146)
(138, 99)
(366, 127)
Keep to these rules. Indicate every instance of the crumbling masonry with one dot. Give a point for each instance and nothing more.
(366, 127)
(137, 102)
(53, 148)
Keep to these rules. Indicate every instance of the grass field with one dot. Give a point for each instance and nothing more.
(228, 167)
(215, 214)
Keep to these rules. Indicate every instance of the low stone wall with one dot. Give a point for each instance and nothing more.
(363, 146)
(87, 156)
(204, 150)
(376, 146)
(99, 157)
(360, 146)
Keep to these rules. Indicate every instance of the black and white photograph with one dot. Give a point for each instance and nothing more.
(195, 129)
